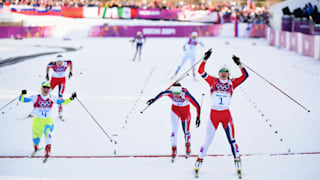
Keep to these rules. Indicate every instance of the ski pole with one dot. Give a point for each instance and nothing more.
(173, 65)
(185, 74)
(9, 103)
(203, 94)
(198, 124)
(302, 106)
(145, 109)
(179, 79)
(191, 68)
(96, 121)
(23, 118)
(142, 90)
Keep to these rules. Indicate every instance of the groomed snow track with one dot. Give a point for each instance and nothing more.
(160, 156)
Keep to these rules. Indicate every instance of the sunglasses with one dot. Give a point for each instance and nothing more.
(46, 87)
(177, 93)
(224, 70)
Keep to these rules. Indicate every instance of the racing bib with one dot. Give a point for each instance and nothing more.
(220, 99)
(42, 113)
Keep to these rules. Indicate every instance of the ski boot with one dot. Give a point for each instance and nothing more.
(174, 153)
(60, 112)
(36, 148)
(197, 166)
(47, 155)
(188, 150)
(237, 163)
(48, 150)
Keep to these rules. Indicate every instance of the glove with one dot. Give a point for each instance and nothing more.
(236, 60)
(207, 54)
(198, 122)
(70, 74)
(47, 77)
(74, 95)
(24, 92)
(150, 101)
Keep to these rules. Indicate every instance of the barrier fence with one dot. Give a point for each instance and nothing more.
(20, 32)
(213, 30)
(305, 44)
(299, 25)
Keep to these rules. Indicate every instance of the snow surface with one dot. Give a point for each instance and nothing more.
(13, 49)
(110, 85)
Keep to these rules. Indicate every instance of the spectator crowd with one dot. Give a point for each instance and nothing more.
(245, 14)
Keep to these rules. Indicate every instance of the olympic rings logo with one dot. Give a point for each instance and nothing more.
(223, 87)
(45, 103)
(180, 99)
(59, 69)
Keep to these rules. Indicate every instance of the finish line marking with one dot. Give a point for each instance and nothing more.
(159, 156)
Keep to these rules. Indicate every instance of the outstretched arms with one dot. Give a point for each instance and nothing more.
(24, 99)
(163, 93)
(66, 101)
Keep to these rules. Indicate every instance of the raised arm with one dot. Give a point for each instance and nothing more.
(209, 79)
(65, 101)
(244, 74)
(24, 99)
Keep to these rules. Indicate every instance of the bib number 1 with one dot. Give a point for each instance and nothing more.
(221, 99)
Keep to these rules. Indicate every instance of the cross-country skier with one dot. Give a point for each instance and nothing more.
(190, 52)
(221, 89)
(42, 121)
(140, 39)
(180, 111)
(58, 78)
